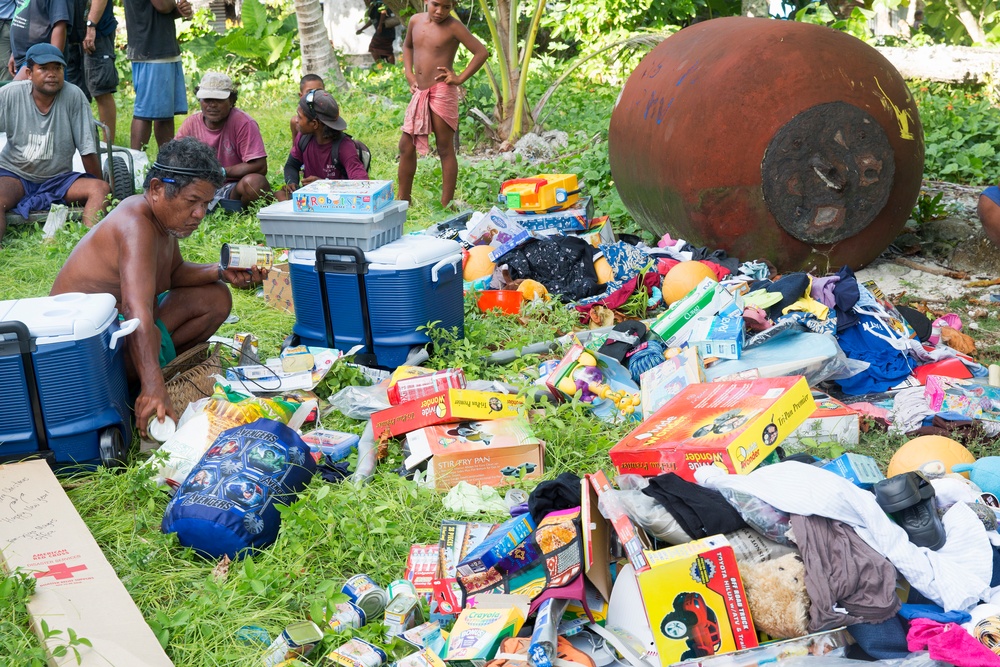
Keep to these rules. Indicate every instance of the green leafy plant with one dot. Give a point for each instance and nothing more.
(262, 44)
(929, 208)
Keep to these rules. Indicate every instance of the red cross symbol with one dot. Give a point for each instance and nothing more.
(60, 571)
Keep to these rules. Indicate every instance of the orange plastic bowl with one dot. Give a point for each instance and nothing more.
(509, 301)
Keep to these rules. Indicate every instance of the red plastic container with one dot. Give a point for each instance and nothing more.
(508, 301)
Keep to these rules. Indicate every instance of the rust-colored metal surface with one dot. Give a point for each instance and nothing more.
(770, 139)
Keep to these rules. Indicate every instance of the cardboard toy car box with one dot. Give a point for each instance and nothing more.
(695, 602)
(733, 425)
(492, 453)
(444, 407)
(831, 422)
(328, 196)
(278, 289)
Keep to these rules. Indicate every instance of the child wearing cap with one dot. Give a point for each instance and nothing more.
(321, 149)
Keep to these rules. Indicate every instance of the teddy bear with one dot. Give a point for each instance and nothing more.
(776, 593)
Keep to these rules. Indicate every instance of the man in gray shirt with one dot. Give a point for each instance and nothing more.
(47, 120)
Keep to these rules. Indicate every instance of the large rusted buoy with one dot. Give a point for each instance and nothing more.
(770, 139)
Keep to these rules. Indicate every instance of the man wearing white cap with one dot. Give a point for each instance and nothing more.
(233, 135)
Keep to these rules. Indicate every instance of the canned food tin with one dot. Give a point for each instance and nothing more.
(161, 431)
(365, 593)
(347, 616)
(401, 587)
(295, 640)
(235, 256)
(402, 613)
(358, 653)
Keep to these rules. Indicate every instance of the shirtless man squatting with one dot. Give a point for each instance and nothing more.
(432, 40)
(133, 254)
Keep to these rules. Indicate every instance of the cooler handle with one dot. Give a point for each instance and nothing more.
(124, 329)
(323, 265)
(453, 261)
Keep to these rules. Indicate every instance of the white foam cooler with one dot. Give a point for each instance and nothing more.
(62, 378)
(409, 283)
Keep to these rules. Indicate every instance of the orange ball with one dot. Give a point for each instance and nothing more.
(926, 448)
(683, 278)
(478, 265)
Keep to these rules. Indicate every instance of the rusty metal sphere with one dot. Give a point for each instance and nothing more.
(770, 139)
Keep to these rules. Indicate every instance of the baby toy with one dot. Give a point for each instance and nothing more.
(579, 372)
(542, 194)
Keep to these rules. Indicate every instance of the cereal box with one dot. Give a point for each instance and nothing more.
(695, 601)
(733, 425)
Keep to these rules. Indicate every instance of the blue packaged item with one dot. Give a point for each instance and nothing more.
(497, 545)
(62, 379)
(228, 502)
(861, 470)
(407, 284)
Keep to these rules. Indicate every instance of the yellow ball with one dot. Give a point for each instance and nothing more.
(478, 265)
(925, 449)
(604, 271)
(683, 278)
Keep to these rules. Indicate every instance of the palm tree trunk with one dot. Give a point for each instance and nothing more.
(317, 54)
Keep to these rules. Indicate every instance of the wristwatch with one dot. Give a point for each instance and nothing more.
(90, 24)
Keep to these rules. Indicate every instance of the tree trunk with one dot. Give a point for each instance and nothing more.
(759, 8)
(317, 54)
(969, 21)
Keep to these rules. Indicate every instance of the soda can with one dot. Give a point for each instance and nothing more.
(365, 593)
(348, 616)
(235, 256)
(295, 640)
(401, 587)
(358, 653)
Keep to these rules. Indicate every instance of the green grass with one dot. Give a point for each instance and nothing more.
(332, 531)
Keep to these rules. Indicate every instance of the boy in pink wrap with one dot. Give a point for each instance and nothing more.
(432, 40)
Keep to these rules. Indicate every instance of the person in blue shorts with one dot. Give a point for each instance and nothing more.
(989, 213)
(157, 74)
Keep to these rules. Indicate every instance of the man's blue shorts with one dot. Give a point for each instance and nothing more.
(41, 196)
(993, 194)
(159, 91)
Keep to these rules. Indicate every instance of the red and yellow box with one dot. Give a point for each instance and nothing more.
(444, 407)
(733, 425)
(695, 602)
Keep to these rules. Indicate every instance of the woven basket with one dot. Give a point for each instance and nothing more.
(189, 378)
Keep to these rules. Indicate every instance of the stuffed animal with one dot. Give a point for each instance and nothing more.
(984, 473)
(776, 593)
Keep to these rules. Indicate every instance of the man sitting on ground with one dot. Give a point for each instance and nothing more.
(133, 254)
(233, 135)
(47, 120)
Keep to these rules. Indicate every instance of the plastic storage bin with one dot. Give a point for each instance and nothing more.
(408, 283)
(284, 228)
(62, 378)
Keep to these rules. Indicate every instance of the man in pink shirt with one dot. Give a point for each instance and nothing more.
(233, 135)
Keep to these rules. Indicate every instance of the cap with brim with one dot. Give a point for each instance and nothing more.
(326, 109)
(43, 54)
(215, 86)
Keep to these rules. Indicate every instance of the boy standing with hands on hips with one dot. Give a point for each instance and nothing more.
(432, 40)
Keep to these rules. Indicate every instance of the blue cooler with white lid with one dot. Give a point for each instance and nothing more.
(409, 283)
(62, 371)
